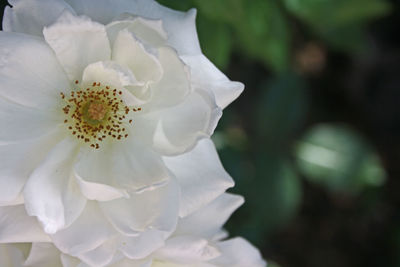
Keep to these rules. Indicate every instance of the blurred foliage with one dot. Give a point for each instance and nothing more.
(338, 158)
(275, 141)
(264, 29)
(339, 22)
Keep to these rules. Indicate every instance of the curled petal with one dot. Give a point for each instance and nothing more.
(180, 26)
(88, 232)
(122, 167)
(17, 226)
(207, 77)
(237, 252)
(130, 52)
(155, 208)
(187, 250)
(177, 129)
(208, 220)
(77, 42)
(31, 16)
(43, 255)
(51, 193)
(149, 32)
(200, 174)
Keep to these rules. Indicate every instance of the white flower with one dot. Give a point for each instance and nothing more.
(100, 101)
(197, 241)
(134, 226)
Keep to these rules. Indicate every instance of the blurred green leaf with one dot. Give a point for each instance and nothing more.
(257, 28)
(273, 194)
(339, 22)
(338, 158)
(281, 109)
(216, 44)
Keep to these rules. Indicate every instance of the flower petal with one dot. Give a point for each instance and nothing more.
(207, 77)
(77, 42)
(200, 174)
(237, 252)
(174, 85)
(100, 256)
(43, 255)
(130, 52)
(30, 16)
(11, 255)
(141, 246)
(30, 74)
(112, 74)
(125, 165)
(51, 193)
(149, 32)
(88, 232)
(17, 226)
(151, 209)
(18, 160)
(68, 261)
(20, 123)
(207, 221)
(180, 26)
(177, 129)
(187, 250)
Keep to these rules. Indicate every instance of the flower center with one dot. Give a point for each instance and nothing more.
(95, 113)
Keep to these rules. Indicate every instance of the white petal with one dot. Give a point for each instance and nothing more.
(17, 226)
(151, 209)
(30, 16)
(100, 256)
(187, 250)
(174, 85)
(18, 160)
(180, 26)
(43, 255)
(238, 252)
(125, 165)
(208, 220)
(21, 123)
(30, 74)
(98, 191)
(88, 232)
(150, 32)
(134, 263)
(11, 255)
(68, 261)
(141, 246)
(51, 193)
(130, 52)
(77, 42)
(110, 73)
(200, 174)
(177, 129)
(207, 77)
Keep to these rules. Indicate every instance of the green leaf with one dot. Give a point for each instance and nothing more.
(337, 157)
(282, 108)
(339, 22)
(216, 41)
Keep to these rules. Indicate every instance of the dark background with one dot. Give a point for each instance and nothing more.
(313, 142)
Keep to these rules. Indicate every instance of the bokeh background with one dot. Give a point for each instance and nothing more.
(313, 142)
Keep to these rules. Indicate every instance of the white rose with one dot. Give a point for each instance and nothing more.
(99, 103)
(197, 241)
(134, 226)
